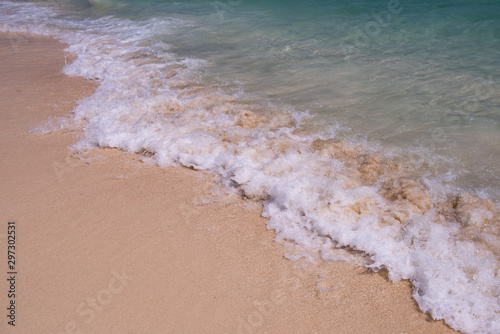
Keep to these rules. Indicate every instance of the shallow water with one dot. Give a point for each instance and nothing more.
(418, 76)
(368, 125)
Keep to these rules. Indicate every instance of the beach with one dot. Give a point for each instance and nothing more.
(106, 243)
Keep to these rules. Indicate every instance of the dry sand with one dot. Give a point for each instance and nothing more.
(113, 245)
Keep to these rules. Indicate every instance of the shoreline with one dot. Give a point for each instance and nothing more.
(114, 245)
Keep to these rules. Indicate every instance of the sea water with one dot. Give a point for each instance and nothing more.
(366, 125)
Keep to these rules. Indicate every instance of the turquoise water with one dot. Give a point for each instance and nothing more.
(367, 125)
(419, 75)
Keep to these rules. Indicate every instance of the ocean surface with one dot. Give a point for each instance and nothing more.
(367, 125)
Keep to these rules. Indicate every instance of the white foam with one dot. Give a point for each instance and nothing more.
(318, 196)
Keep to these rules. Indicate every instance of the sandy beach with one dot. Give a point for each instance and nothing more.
(110, 244)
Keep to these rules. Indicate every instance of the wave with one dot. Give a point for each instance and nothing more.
(319, 192)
